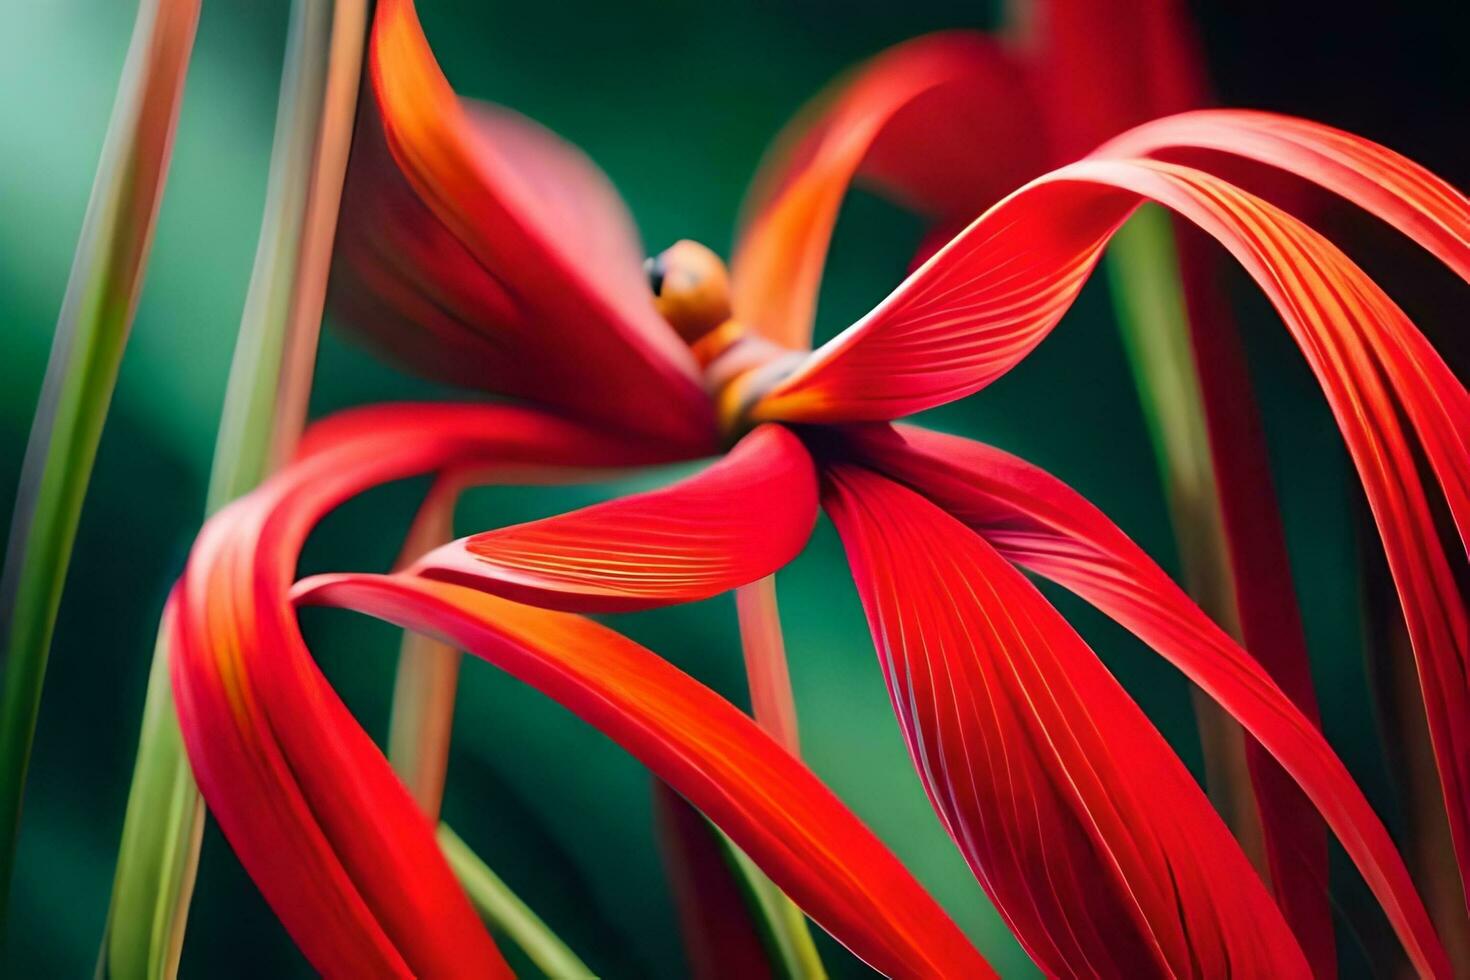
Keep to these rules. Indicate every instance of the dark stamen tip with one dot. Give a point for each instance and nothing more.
(653, 267)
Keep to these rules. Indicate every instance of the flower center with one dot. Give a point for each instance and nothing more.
(691, 289)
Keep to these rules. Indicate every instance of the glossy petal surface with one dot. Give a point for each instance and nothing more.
(701, 745)
(1035, 520)
(979, 305)
(1077, 818)
(740, 520)
(335, 842)
(1375, 178)
(1090, 92)
(1254, 549)
(340, 850)
(480, 248)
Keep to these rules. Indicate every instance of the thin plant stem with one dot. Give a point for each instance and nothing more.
(774, 707)
(270, 378)
(507, 915)
(422, 718)
(419, 731)
(91, 333)
(771, 700)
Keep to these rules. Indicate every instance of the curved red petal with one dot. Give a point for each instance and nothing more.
(1260, 592)
(994, 292)
(336, 844)
(912, 121)
(334, 841)
(1377, 372)
(990, 296)
(1087, 831)
(737, 521)
(481, 249)
(1382, 182)
(703, 746)
(1039, 522)
(970, 313)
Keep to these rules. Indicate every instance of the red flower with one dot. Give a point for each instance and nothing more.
(478, 247)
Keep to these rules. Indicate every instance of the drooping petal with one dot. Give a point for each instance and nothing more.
(991, 295)
(704, 747)
(740, 520)
(334, 841)
(1382, 182)
(1082, 825)
(1232, 548)
(913, 122)
(1035, 520)
(1261, 593)
(479, 248)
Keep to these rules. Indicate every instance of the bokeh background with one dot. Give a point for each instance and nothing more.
(676, 101)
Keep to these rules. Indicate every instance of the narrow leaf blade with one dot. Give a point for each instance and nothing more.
(91, 332)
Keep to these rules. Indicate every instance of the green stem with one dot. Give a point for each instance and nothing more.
(1143, 269)
(783, 926)
(91, 332)
(263, 414)
(507, 914)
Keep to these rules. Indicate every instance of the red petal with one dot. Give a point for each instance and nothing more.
(1265, 603)
(737, 521)
(1039, 522)
(334, 841)
(1375, 178)
(990, 296)
(486, 251)
(912, 121)
(965, 317)
(1102, 67)
(1086, 830)
(704, 747)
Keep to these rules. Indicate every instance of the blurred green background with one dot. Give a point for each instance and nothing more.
(676, 101)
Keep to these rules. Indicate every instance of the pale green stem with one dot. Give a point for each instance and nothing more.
(773, 705)
(507, 914)
(91, 332)
(420, 725)
(782, 925)
(263, 413)
(419, 732)
(422, 716)
(1143, 268)
(771, 701)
